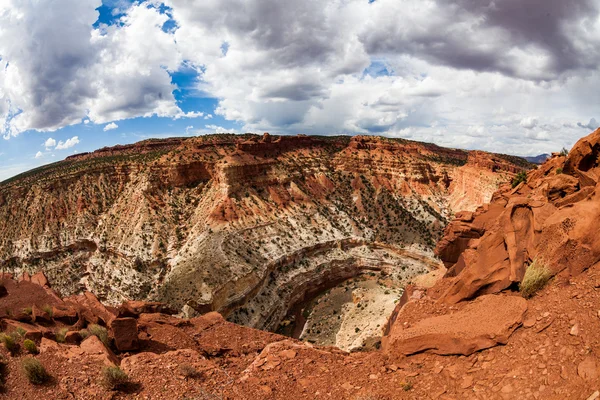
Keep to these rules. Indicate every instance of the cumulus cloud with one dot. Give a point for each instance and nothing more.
(529, 122)
(110, 127)
(67, 144)
(56, 69)
(49, 143)
(39, 154)
(464, 73)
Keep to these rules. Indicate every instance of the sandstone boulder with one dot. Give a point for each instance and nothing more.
(40, 279)
(90, 309)
(38, 315)
(65, 314)
(125, 333)
(32, 332)
(92, 346)
(486, 322)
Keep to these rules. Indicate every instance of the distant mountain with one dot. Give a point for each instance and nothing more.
(538, 159)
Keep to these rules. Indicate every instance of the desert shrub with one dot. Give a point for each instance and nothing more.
(61, 335)
(564, 152)
(521, 177)
(20, 331)
(84, 333)
(34, 371)
(27, 310)
(188, 371)
(30, 346)
(10, 342)
(100, 332)
(113, 378)
(559, 171)
(406, 386)
(536, 277)
(48, 309)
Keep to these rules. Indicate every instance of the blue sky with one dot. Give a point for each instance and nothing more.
(18, 153)
(458, 75)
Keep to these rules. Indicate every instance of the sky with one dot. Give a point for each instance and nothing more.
(512, 76)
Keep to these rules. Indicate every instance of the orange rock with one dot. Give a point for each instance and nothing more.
(94, 347)
(40, 279)
(552, 217)
(125, 333)
(39, 315)
(469, 330)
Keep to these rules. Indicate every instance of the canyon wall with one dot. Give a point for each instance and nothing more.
(209, 223)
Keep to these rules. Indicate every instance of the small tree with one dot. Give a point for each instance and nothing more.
(564, 152)
(521, 177)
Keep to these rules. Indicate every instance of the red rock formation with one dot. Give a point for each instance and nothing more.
(552, 217)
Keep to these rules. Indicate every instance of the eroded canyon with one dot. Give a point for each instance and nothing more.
(248, 226)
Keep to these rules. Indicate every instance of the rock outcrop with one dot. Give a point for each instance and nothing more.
(552, 217)
(484, 323)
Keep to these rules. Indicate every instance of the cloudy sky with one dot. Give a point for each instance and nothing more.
(512, 76)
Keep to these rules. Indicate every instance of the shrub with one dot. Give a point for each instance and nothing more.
(10, 343)
(100, 332)
(113, 378)
(34, 371)
(564, 152)
(61, 335)
(521, 177)
(188, 371)
(20, 331)
(48, 309)
(84, 333)
(536, 277)
(406, 386)
(27, 310)
(559, 171)
(30, 346)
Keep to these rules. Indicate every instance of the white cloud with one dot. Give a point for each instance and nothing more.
(459, 73)
(110, 127)
(529, 122)
(39, 154)
(49, 143)
(67, 144)
(56, 69)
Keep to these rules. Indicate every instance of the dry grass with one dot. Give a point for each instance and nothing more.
(61, 335)
(189, 372)
(536, 277)
(113, 378)
(98, 331)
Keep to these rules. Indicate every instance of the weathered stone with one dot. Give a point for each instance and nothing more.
(125, 333)
(471, 329)
(94, 347)
(39, 315)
